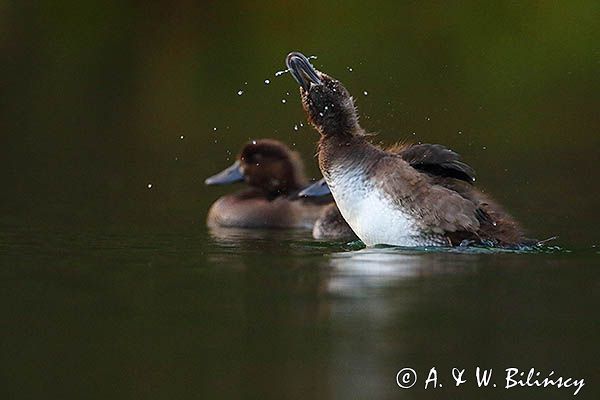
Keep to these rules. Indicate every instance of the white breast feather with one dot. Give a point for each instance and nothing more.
(374, 218)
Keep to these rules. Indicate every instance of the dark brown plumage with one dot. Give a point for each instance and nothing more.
(275, 174)
(426, 190)
(332, 226)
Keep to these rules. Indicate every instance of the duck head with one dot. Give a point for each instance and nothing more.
(264, 164)
(328, 105)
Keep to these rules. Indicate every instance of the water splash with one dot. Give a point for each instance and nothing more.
(480, 248)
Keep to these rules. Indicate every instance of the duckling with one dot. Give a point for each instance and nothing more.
(274, 174)
(330, 225)
(425, 197)
(441, 162)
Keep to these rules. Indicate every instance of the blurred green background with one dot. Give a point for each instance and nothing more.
(96, 96)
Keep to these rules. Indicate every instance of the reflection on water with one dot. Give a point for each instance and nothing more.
(381, 267)
(273, 314)
(254, 238)
(394, 263)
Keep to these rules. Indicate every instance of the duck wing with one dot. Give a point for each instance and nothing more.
(437, 160)
(477, 216)
(439, 209)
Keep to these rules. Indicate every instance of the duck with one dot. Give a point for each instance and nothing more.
(274, 175)
(330, 225)
(408, 195)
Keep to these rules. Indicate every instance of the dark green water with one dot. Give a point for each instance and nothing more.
(228, 314)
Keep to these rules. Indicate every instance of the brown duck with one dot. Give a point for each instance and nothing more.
(412, 195)
(330, 225)
(275, 175)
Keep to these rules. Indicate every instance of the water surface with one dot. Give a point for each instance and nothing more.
(273, 314)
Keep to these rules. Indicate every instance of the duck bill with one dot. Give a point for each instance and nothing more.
(317, 189)
(302, 70)
(229, 175)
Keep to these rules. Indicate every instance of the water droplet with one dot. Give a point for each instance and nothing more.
(254, 142)
(484, 147)
(240, 92)
(149, 186)
(365, 93)
(287, 93)
(279, 73)
(283, 101)
(350, 69)
(214, 129)
(267, 81)
(296, 127)
(460, 132)
(181, 137)
(428, 118)
(245, 83)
